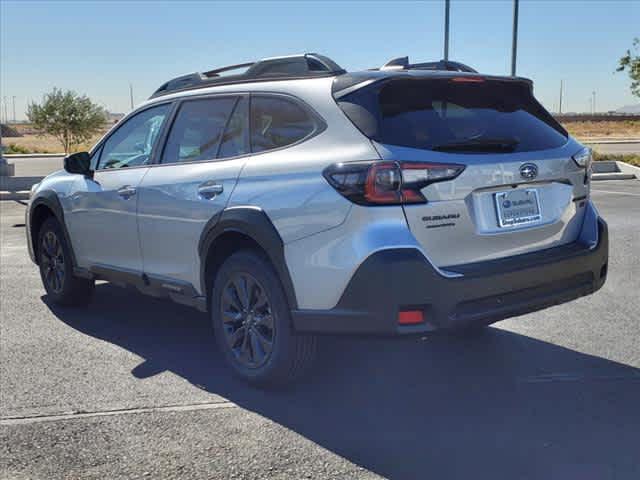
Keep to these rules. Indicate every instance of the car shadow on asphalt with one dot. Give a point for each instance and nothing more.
(502, 404)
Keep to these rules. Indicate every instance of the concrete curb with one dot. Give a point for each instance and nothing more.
(612, 176)
(613, 170)
(629, 169)
(595, 141)
(17, 184)
(22, 195)
(9, 156)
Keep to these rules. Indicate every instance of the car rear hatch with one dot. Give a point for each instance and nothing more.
(497, 171)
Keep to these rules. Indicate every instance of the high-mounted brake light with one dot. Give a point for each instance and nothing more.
(467, 79)
(388, 183)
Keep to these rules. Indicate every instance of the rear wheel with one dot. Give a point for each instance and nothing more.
(56, 268)
(252, 323)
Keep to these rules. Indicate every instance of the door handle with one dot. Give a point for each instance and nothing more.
(210, 189)
(126, 192)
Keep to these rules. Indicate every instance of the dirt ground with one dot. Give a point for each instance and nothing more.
(624, 129)
(33, 143)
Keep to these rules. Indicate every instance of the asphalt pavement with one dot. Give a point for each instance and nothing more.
(134, 387)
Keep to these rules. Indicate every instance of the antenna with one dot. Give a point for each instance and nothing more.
(447, 7)
(131, 94)
(514, 41)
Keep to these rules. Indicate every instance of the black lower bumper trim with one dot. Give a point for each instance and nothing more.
(402, 279)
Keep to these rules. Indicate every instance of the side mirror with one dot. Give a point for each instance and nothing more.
(78, 163)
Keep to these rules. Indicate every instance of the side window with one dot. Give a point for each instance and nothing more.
(235, 140)
(197, 130)
(277, 122)
(95, 158)
(132, 144)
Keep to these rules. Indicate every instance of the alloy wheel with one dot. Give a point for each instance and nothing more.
(52, 259)
(247, 320)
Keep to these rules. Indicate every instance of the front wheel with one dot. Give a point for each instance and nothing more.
(252, 323)
(56, 268)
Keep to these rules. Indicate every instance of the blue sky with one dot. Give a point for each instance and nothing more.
(97, 48)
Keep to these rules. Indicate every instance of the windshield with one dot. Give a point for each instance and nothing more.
(454, 114)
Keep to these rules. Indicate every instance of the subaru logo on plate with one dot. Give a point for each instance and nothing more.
(529, 171)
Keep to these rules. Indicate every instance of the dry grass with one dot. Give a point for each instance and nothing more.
(623, 129)
(630, 158)
(34, 143)
(44, 144)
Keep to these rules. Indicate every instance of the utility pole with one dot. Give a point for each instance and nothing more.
(6, 115)
(514, 41)
(446, 29)
(594, 101)
(560, 107)
(131, 94)
(14, 109)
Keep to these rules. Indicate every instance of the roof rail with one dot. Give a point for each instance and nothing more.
(276, 68)
(402, 63)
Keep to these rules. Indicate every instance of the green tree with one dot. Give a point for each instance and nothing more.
(71, 118)
(631, 63)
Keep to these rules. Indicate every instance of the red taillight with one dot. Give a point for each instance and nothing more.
(383, 182)
(410, 317)
(388, 183)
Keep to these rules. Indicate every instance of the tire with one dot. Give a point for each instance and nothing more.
(56, 268)
(253, 330)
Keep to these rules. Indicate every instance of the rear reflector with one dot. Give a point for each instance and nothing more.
(410, 317)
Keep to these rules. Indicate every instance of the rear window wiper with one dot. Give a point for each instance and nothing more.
(479, 145)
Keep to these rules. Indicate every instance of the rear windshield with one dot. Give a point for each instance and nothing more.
(454, 115)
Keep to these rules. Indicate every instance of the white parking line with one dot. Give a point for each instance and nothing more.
(106, 413)
(616, 193)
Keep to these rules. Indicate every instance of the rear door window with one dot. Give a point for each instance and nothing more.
(235, 140)
(452, 114)
(196, 133)
(277, 122)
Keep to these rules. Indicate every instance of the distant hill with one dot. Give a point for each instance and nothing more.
(629, 109)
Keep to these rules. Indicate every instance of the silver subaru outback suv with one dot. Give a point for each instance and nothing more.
(295, 199)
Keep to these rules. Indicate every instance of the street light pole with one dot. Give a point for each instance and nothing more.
(446, 28)
(514, 41)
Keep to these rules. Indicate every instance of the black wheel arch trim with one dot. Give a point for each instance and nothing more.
(254, 223)
(49, 199)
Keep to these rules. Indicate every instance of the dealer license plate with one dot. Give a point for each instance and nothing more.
(518, 207)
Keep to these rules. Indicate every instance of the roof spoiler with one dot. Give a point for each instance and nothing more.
(402, 63)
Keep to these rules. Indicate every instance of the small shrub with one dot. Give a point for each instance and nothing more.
(630, 158)
(13, 148)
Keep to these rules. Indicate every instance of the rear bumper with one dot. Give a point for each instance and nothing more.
(483, 293)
